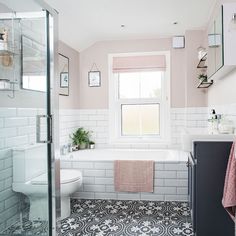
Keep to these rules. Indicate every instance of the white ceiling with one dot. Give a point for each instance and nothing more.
(84, 22)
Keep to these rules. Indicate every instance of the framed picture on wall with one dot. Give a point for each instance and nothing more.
(94, 78)
(64, 80)
(64, 75)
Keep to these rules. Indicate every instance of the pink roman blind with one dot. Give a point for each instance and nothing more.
(139, 63)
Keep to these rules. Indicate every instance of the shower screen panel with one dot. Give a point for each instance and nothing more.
(27, 141)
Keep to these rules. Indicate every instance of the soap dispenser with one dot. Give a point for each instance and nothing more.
(213, 122)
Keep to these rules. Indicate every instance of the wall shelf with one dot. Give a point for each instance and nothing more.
(205, 84)
(202, 62)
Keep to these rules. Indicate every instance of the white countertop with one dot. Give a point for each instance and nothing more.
(188, 139)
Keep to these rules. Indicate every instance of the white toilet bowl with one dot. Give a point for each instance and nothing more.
(37, 190)
(32, 180)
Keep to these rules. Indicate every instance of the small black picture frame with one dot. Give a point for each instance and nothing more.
(94, 78)
(64, 79)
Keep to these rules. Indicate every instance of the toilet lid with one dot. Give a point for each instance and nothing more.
(67, 176)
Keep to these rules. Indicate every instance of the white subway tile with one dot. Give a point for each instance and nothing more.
(16, 122)
(158, 182)
(84, 195)
(176, 182)
(1, 122)
(88, 111)
(165, 190)
(102, 123)
(128, 196)
(94, 188)
(8, 132)
(5, 153)
(88, 180)
(97, 117)
(26, 112)
(170, 166)
(7, 112)
(96, 173)
(104, 165)
(66, 164)
(109, 173)
(82, 165)
(182, 174)
(2, 143)
(165, 174)
(152, 197)
(104, 180)
(32, 121)
(26, 130)
(183, 198)
(182, 191)
(105, 195)
(16, 141)
(110, 188)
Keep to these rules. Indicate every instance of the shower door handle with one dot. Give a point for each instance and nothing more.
(48, 137)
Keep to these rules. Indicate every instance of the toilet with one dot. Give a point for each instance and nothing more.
(30, 178)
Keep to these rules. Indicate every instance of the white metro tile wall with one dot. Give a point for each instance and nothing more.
(17, 128)
(228, 111)
(97, 121)
(170, 181)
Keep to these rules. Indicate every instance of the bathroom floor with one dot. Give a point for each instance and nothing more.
(123, 218)
(28, 228)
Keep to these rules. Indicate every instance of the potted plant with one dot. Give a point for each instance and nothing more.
(91, 144)
(202, 77)
(80, 138)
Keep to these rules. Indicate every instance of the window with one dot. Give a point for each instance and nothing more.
(139, 104)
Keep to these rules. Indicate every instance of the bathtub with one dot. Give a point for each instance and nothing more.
(157, 155)
(97, 167)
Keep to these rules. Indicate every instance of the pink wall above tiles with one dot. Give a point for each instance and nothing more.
(183, 74)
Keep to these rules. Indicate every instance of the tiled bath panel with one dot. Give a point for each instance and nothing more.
(170, 181)
(124, 218)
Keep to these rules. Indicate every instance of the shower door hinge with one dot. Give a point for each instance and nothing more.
(44, 131)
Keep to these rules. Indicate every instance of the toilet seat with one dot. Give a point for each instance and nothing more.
(66, 176)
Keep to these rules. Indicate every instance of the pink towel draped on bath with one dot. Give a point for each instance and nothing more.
(133, 176)
(229, 197)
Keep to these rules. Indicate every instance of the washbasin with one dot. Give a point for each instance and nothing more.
(188, 139)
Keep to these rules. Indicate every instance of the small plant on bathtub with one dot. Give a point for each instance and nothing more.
(91, 144)
(80, 138)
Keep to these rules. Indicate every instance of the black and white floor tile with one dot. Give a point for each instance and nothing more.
(28, 228)
(124, 218)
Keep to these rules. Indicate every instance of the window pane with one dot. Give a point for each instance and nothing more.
(129, 85)
(138, 120)
(150, 84)
(130, 120)
(140, 84)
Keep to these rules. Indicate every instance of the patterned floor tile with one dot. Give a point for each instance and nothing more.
(124, 218)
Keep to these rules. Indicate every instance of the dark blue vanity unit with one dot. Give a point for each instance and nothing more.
(207, 167)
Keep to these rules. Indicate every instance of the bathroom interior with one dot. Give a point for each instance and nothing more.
(117, 117)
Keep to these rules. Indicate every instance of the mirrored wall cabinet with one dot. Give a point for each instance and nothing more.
(221, 53)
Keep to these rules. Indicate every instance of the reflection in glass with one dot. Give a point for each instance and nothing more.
(33, 64)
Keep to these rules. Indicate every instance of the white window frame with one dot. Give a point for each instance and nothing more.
(115, 136)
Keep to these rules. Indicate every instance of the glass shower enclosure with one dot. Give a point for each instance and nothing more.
(29, 192)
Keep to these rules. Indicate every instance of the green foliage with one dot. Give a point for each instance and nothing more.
(202, 77)
(80, 137)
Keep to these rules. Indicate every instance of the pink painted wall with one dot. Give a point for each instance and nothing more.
(71, 101)
(183, 72)
(194, 97)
